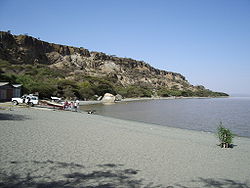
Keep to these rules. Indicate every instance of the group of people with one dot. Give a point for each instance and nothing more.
(73, 106)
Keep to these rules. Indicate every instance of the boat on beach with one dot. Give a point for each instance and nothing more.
(52, 104)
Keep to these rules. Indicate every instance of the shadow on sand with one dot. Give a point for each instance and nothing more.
(59, 174)
(15, 117)
(215, 183)
(52, 174)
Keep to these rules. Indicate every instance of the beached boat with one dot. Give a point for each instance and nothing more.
(53, 104)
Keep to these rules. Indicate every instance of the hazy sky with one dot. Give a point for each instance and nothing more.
(208, 41)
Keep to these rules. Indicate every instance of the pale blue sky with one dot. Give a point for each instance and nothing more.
(208, 41)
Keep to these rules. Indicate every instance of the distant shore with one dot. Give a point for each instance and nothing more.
(51, 147)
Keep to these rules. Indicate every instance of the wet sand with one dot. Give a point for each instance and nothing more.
(68, 149)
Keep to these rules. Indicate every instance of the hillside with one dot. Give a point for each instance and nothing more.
(77, 72)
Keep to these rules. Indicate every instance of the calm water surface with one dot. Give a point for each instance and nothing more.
(194, 114)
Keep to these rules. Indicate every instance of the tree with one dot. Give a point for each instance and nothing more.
(86, 91)
(103, 88)
(134, 91)
(67, 88)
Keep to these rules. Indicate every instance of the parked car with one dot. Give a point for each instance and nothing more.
(27, 99)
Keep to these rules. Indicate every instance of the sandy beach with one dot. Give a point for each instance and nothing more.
(46, 148)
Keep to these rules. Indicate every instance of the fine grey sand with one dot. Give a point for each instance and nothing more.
(45, 148)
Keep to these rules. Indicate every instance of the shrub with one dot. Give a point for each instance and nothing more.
(225, 136)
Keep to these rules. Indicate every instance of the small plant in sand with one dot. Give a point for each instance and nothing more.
(225, 136)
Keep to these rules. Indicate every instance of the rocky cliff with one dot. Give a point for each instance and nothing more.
(80, 62)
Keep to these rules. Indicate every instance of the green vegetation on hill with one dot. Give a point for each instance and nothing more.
(47, 82)
(202, 92)
(134, 91)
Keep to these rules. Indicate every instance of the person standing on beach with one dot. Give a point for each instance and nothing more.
(66, 105)
(76, 105)
(72, 106)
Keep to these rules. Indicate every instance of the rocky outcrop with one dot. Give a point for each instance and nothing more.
(108, 98)
(80, 62)
(118, 97)
(29, 50)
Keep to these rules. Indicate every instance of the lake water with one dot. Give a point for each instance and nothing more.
(194, 114)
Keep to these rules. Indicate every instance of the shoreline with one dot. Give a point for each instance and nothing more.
(8, 105)
(119, 113)
(135, 153)
(90, 102)
(168, 126)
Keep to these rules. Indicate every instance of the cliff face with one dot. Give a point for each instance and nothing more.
(79, 62)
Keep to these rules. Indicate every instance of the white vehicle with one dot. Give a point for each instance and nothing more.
(28, 99)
